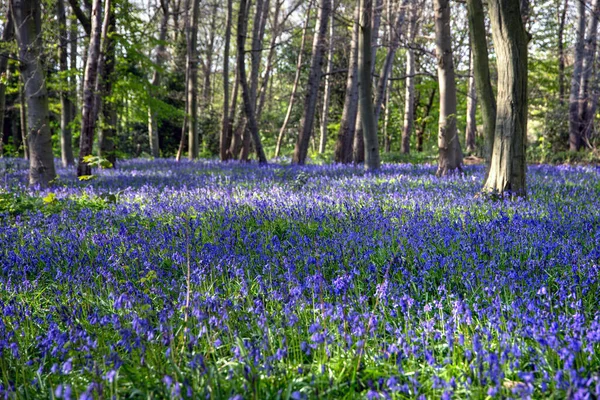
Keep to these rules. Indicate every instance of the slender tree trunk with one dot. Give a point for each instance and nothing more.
(409, 97)
(27, 19)
(314, 80)
(481, 72)
(588, 65)
(73, 39)
(225, 123)
(327, 95)
(288, 113)
(232, 135)
(159, 60)
(192, 82)
(386, 120)
(104, 85)
(269, 67)
(66, 138)
(88, 119)
(188, 65)
(345, 139)
(507, 172)
(206, 88)
(561, 52)
(471, 130)
(365, 68)
(450, 153)
(574, 121)
(7, 35)
(248, 103)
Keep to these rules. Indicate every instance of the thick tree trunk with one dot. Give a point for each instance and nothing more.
(574, 121)
(288, 113)
(246, 96)
(450, 153)
(225, 122)
(314, 80)
(471, 129)
(159, 60)
(365, 68)
(192, 82)
(88, 117)
(104, 85)
(588, 66)
(507, 172)
(66, 138)
(481, 72)
(27, 19)
(561, 52)
(345, 139)
(328, 78)
(7, 34)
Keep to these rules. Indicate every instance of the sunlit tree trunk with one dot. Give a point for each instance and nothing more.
(88, 117)
(312, 86)
(27, 19)
(225, 123)
(66, 139)
(192, 82)
(450, 153)
(104, 86)
(471, 129)
(507, 171)
(409, 97)
(328, 78)
(561, 51)
(156, 78)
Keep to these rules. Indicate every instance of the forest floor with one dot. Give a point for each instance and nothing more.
(160, 279)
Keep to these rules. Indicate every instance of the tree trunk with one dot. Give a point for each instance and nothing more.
(314, 80)
(481, 72)
(73, 39)
(192, 82)
(159, 60)
(66, 138)
(365, 68)
(104, 85)
(409, 97)
(561, 52)
(248, 103)
(471, 130)
(206, 88)
(23, 120)
(232, 135)
(574, 122)
(225, 122)
(7, 35)
(269, 68)
(588, 65)
(450, 153)
(288, 113)
(507, 171)
(27, 19)
(328, 78)
(184, 126)
(88, 117)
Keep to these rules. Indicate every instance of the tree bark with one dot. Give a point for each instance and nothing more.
(104, 86)
(327, 94)
(225, 122)
(192, 82)
(561, 52)
(66, 138)
(7, 35)
(588, 65)
(314, 80)
(88, 117)
(288, 113)
(574, 121)
(481, 72)
(365, 67)
(206, 87)
(409, 97)
(246, 96)
(450, 153)
(507, 171)
(159, 60)
(26, 15)
(269, 67)
(23, 120)
(471, 129)
(345, 139)
(424, 120)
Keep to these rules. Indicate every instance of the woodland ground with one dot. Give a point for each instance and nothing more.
(313, 282)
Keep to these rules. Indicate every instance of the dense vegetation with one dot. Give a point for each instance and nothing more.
(208, 280)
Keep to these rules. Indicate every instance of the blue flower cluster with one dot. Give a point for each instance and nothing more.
(209, 280)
